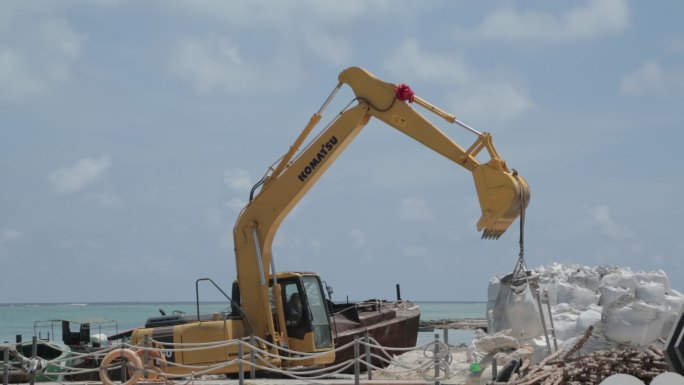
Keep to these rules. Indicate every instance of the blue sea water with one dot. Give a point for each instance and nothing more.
(109, 318)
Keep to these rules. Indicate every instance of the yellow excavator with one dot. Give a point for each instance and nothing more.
(262, 299)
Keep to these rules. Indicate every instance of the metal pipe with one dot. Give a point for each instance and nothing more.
(240, 367)
(257, 245)
(273, 270)
(541, 314)
(553, 329)
(330, 98)
(356, 361)
(5, 365)
(123, 365)
(369, 368)
(252, 357)
(146, 355)
(474, 131)
(446, 116)
(436, 354)
(34, 352)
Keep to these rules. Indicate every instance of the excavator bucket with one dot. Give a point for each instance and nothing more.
(503, 197)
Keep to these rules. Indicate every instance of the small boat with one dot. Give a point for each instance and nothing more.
(47, 351)
(86, 337)
(16, 374)
(79, 335)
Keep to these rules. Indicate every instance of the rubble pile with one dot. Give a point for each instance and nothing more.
(572, 368)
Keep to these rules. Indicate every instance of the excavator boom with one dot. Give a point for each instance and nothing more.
(502, 194)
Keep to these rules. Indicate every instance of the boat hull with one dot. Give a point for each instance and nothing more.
(48, 351)
(390, 324)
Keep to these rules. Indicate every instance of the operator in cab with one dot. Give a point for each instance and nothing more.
(293, 310)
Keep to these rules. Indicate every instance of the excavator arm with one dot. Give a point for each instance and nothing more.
(500, 191)
(502, 194)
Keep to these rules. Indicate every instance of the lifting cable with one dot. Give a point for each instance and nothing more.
(520, 265)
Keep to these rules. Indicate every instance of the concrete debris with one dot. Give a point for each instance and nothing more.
(592, 368)
(495, 343)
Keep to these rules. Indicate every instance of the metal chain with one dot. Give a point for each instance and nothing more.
(520, 264)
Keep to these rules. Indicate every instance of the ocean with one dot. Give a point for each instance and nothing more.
(110, 318)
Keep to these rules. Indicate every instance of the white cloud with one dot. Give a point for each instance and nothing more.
(335, 50)
(225, 213)
(39, 56)
(212, 64)
(411, 59)
(594, 19)
(9, 235)
(280, 14)
(345, 11)
(104, 199)
(487, 99)
(413, 251)
(216, 64)
(358, 239)
(234, 205)
(601, 218)
(301, 28)
(414, 209)
(676, 46)
(160, 265)
(74, 178)
(238, 180)
(657, 259)
(651, 79)
(315, 245)
(495, 102)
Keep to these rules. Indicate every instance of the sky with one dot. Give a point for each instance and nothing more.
(132, 132)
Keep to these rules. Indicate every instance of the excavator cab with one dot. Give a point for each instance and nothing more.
(306, 315)
(304, 319)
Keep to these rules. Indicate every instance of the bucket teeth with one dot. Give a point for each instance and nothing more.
(497, 229)
(487, 234)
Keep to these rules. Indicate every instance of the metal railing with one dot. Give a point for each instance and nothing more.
(253, 355)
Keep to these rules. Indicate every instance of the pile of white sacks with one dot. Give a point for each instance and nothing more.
(623, 307)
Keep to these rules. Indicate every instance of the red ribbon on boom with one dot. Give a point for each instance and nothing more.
(404, 93)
